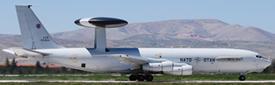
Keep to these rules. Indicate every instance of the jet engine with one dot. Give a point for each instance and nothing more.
(169, 67)
(180, 70)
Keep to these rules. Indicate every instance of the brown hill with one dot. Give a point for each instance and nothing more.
(206, 29)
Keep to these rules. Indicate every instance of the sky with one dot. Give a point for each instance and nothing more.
(59, 15)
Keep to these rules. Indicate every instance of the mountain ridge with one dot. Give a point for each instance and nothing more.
(205, 29)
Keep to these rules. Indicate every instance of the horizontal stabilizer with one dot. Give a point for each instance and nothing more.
(22, 52)
(8, 51)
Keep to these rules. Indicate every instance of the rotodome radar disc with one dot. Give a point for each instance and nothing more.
(103, 22)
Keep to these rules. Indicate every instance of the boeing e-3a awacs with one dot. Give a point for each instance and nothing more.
(141, 63)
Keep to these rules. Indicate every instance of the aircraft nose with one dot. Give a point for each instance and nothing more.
(265, 63)
(268, 62)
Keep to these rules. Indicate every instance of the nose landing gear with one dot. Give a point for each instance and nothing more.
(242, 78)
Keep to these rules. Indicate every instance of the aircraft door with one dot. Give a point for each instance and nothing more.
(198, 66)
(255, 63)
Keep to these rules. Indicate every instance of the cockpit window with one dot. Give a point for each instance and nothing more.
(259, 56)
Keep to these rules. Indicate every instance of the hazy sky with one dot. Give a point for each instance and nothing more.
(59, 15)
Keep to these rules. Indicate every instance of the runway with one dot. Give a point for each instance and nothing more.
(111, 81)
(84, 81)
(213, 81)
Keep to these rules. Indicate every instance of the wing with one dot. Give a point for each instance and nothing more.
(154, 65)
(130, 59)
(22, 52)
(126, 59)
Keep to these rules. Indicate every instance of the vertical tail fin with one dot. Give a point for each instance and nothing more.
(34, 35)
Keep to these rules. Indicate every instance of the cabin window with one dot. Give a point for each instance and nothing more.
(229, 59)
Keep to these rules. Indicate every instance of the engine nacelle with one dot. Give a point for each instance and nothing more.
(183, 70)
(163, 66)
(152, 67)
(169, 67)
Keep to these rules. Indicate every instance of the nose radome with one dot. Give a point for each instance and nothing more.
(265, 63)
(268, 62)
(262, 64)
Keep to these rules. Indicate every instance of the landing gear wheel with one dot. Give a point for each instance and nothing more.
(242, 78)
(133, 78)
(140, 78)
(149, 78)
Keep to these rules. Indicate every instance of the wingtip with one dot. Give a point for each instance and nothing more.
(8, 51)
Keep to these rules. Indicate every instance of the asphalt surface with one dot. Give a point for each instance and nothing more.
(91, 81)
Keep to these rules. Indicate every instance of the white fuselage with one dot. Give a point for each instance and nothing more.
(203, 60)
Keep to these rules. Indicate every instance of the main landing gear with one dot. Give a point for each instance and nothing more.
(141, 77)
